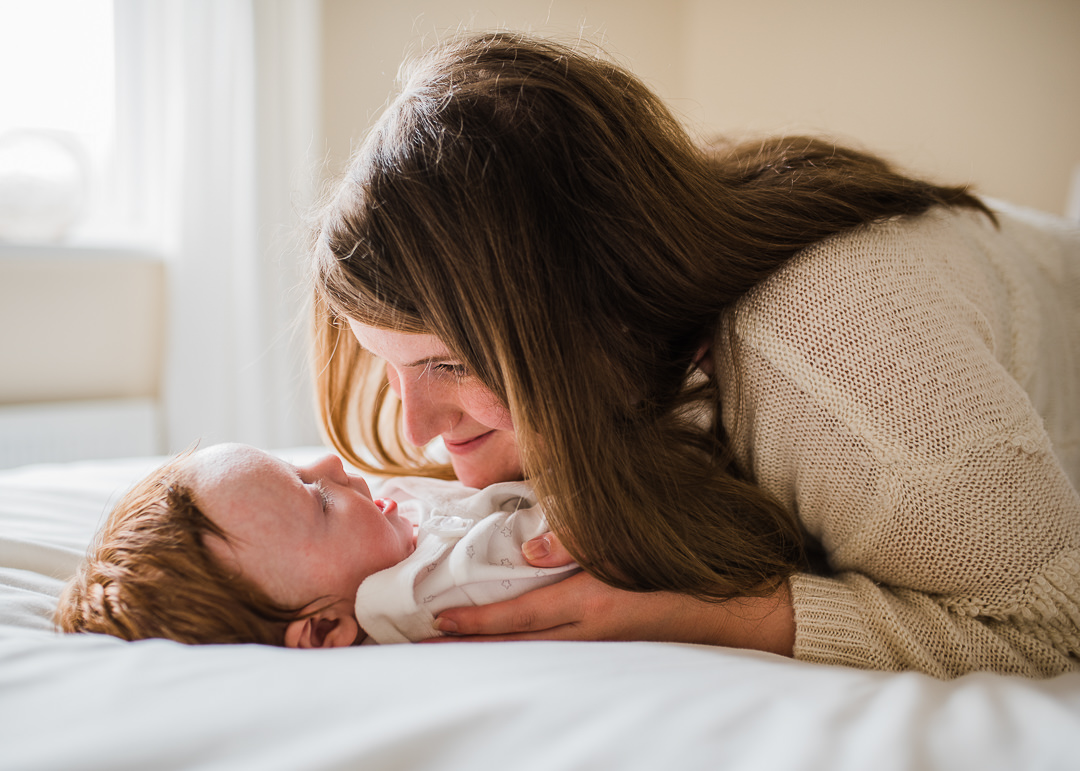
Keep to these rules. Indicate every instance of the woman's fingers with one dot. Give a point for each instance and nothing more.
(583, 608)
(546, 551)
(540, 610)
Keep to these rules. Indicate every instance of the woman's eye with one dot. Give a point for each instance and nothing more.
(455, 370)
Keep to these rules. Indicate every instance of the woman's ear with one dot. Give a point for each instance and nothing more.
(333, 626)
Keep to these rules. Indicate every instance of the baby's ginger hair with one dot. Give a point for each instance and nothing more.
(150, 574)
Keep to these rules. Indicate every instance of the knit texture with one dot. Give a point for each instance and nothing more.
(912, 391)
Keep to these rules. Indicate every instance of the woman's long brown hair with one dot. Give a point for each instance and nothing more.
(542, 212)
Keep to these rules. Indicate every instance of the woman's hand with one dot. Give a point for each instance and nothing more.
(583, 608)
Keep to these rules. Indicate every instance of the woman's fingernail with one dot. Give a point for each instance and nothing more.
(445, 625)
(537, 548)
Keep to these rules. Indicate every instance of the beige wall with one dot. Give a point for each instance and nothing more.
(986, 91)
(981, 91)
(364, 41)
(80, 326)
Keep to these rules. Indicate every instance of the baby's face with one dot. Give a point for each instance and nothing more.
(300, 533)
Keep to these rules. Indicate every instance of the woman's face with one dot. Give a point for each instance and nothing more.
(440, 398)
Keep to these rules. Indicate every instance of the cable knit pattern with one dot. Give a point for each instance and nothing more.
(912, 391)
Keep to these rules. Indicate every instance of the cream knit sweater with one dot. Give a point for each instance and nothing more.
(912, 391)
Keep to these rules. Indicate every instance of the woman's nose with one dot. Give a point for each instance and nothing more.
(425, 412)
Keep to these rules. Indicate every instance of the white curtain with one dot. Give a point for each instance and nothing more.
(230, 91)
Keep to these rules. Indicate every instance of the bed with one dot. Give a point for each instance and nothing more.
(88, 702)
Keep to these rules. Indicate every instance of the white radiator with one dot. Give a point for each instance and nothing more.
(64, 431)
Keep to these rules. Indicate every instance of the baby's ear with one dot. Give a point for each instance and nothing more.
(329, 627)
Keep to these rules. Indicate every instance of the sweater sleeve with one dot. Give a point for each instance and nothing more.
(882, 393)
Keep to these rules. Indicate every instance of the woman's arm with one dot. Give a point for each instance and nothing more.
(892, 390)
(583, 608)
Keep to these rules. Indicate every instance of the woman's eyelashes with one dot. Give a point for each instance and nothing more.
(458, 371)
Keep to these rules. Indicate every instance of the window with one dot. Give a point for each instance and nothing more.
(198, 122)
(64, 177)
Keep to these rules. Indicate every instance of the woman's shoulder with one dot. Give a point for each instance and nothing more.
(895, 240)
(854, 276)
(945, 255)
(906, 338)
(942, 231)
(947, 312)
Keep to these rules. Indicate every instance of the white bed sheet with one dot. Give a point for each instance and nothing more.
(89, 702)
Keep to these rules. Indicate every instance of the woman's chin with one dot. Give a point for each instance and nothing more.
(479, 475)
(475, 478)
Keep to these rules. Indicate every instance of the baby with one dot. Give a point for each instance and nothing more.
(232, 545)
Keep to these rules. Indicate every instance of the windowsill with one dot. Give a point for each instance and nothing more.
(112, 250)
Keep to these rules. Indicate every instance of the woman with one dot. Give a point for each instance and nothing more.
(713, 364)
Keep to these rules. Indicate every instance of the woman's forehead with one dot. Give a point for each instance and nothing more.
(400, 348)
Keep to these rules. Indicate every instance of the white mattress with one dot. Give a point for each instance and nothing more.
(97, 703)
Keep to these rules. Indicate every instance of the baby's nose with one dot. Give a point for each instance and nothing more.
(330, 467)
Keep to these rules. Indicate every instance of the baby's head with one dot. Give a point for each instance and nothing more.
(230, 545)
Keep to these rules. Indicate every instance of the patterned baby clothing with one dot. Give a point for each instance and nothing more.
(468, 552)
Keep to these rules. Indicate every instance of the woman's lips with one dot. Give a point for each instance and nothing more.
(467, 445)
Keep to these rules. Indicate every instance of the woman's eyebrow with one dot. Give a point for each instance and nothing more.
(425, 362)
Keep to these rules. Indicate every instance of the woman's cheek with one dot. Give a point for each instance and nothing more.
(485, 408)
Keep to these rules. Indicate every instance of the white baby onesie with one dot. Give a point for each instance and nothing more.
(468, 552)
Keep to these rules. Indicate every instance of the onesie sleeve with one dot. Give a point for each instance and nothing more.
(880, 394)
